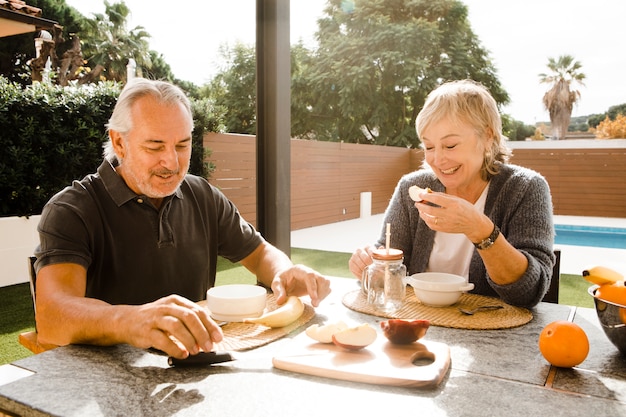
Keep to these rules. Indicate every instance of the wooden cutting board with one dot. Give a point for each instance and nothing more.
(380, 363)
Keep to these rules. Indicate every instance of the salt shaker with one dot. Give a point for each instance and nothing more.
(384, 280)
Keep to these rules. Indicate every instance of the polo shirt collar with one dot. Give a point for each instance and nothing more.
(117, 187)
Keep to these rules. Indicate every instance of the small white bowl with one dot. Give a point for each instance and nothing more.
(236, 302)
(438, 289)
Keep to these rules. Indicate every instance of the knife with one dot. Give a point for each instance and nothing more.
(215, 357)
(201, 359)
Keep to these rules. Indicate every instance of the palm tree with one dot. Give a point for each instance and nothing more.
(108, 44)
(559, 100)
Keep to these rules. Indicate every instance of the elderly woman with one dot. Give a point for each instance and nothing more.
(485, 219)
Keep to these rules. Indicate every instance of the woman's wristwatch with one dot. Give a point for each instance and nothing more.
(488, 242)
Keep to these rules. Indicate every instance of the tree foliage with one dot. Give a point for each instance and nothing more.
(305, 124)
(595, 119)
(614, 111)
(108, 42)
(207, 117)
(378, 59)
(516, 130)
(234, 88)
(559, 100)
(365, 83)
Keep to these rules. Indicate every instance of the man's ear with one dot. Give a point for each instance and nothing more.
(119, 145)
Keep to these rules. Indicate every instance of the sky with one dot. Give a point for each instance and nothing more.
(520, 36)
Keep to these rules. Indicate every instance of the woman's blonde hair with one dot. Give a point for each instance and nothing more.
(468, 102)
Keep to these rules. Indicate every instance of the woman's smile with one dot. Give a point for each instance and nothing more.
(450, 171)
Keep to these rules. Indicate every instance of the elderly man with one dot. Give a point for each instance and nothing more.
(125, 252)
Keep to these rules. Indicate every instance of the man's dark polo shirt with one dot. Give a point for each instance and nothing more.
(135, 253)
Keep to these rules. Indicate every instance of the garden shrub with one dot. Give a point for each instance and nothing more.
(207, 117)
(612, 129)
(49, 136)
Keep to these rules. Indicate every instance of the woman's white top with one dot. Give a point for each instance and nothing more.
(452, 252)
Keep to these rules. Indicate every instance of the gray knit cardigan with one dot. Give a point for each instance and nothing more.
(518, 201)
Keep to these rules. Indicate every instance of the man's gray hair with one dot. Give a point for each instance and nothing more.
(121, 120)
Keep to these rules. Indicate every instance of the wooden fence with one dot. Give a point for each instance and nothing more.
(327, 178)
(583, 182)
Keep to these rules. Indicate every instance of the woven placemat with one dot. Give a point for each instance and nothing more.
(505, 318)
(243, 336)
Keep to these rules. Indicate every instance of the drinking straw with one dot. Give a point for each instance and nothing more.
(386, 283)
(387, 235)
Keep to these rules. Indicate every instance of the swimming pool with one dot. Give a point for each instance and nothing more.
(601, 237)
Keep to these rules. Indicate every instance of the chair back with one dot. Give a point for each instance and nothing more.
(552, 296)
(33, 280)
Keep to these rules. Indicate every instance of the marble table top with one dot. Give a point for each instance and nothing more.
(493, 372)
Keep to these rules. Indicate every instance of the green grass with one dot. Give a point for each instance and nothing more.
(17, 316)
(327, 263)
(573, 291)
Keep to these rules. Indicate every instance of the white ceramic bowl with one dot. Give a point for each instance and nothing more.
(438, 289)
(236, 302)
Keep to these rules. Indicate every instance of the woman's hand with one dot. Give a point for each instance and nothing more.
(453, 214)
(360, 259)
(504, 263)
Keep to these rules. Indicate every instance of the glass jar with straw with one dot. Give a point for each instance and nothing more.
(384, 280)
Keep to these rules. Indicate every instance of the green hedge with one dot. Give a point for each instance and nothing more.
(51, 135)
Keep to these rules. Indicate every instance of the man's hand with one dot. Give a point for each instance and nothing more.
(300, 280)
(274, 269)
(174, 325)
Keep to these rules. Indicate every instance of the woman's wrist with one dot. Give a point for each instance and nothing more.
(483, 230)
(490, 240)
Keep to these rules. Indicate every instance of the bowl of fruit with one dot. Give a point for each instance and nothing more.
(609, 297)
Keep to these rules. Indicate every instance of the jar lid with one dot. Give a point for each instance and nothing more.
(384, 255)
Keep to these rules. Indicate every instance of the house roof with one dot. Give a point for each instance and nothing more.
(17, 17)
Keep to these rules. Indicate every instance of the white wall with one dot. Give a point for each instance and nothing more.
(18, 240)
(568, 144)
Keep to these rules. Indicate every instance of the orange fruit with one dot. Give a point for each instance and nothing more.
(563, 344)
(612, 293)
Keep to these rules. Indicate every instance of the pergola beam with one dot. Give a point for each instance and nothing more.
(273, 122)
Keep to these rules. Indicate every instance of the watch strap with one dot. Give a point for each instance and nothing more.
(488, 242)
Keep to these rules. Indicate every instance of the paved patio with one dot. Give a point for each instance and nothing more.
(348, 235)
